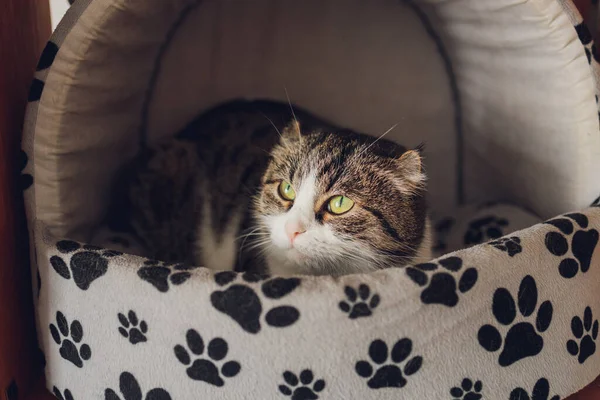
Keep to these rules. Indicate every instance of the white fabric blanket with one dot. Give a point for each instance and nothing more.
(515, 318)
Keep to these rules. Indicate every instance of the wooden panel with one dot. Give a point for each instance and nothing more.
(24, 29)
(40, 393)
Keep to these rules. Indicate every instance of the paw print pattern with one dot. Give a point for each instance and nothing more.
(389, 374)
(87, 263)
(132, 328)
(131, 390)
(467, 390)
(586, 38)
(541, 391)
(45, 61)
(68, 338)
(482, 229)
(159, 274)
(303, 389)
(47, 57)
(523, 338)
(359, 304)
(582, 244)
(583, 346)
(442, 286)
(62, 396)
(510, 245)
(35, 90)
(204, 367)
(242, 303)
(26, 180)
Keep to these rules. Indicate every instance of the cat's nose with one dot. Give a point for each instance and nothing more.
(293, 229)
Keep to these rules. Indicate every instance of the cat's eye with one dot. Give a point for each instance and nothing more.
(286, 191)
(339, 205)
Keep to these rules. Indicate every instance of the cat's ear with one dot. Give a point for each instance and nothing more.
(410, 167)
(292, 131)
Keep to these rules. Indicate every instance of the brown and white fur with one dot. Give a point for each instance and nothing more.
(209, 196)
(387, 226)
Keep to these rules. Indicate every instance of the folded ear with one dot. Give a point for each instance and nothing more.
(410, 167)
(291, 131)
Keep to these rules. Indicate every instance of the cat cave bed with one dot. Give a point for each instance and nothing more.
(503, 92)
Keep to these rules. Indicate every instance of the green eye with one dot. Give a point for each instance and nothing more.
(339, 205)
(286, 191)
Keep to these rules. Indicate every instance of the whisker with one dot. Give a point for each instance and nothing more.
(290, 103)
(380, 136)
(251, 233)
(241, 248)
(256, 245)
(261, 149)
(272, 123)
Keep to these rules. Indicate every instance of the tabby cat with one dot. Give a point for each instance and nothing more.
(260, 186)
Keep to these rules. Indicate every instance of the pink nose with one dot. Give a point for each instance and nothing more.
(293, 229)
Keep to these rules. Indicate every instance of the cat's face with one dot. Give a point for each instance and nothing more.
(338, 203)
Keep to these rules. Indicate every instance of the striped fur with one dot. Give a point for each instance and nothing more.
(208, 196)
(387, 225)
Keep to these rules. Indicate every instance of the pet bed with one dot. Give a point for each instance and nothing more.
(503, 92)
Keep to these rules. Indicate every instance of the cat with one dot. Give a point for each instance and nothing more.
(267, 187)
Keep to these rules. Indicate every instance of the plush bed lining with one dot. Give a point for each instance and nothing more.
(427, 331)
(105, 99)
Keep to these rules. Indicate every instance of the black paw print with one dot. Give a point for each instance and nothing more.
(305, 391)
(45, 61)
(586, 39)
(60, 396)
(26, 179)
(583, 243)
(587, 344)
(442, 287)
(467, 390)
(482, 229)
(510, 245)
(35, 90)
(205, 368)
(388, 374)
(523, 338)
(541, 391)
(87, 263)
(47, 57)
(159, 274)
(69, 347)
(359, 304)
(243, 305)
(129, 327)
(584, 34)
(131, 390)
